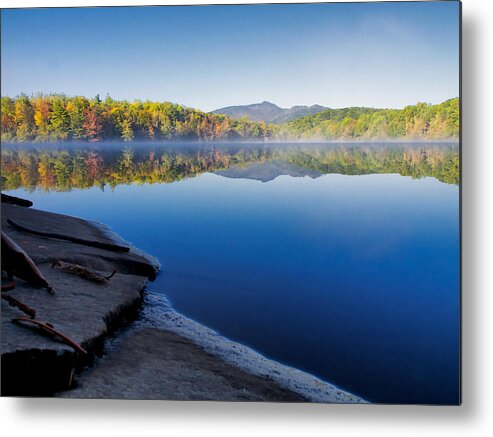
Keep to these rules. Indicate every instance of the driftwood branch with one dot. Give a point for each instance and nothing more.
(49, 329)
(12, 301)
(17, 262)
(10, 285)
(91, 243)
(83, 272)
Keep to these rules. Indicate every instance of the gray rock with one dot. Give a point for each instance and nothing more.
(34, 363)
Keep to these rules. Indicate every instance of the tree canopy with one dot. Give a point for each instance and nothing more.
(418, 121)
(58, 118)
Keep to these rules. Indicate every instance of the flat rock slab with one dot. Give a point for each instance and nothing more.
(34, 363)
(151, 363)
(81, 309)
(49, 250)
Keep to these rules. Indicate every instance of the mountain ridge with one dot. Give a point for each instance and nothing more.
(269, 112)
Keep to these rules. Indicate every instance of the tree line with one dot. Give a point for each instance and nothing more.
(58, 118)
(417, 121)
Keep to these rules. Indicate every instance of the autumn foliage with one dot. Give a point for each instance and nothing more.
(58, 118)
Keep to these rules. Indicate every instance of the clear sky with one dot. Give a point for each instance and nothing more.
(340, 54)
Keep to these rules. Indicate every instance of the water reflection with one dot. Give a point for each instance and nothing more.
(63, 168)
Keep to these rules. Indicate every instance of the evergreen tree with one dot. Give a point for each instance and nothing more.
(59, 120)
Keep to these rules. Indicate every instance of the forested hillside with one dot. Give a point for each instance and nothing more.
(58, 118)
(418, 121)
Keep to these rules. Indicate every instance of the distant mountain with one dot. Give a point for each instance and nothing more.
(269, 112)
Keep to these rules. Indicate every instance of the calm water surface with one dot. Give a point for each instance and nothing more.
(352, 278)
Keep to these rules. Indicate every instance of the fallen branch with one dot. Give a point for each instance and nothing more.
(49, 329)
(10, 285)
(98, 244)
(83, 272)
(12, 301)
(18, 263)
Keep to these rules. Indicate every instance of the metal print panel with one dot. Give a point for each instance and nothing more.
(235, 202)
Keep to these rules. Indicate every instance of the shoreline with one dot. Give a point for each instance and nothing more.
(219, 368)
(158, 312)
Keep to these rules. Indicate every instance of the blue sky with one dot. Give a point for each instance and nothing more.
(340, 54)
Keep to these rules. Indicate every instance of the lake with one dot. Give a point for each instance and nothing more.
(340, 260)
